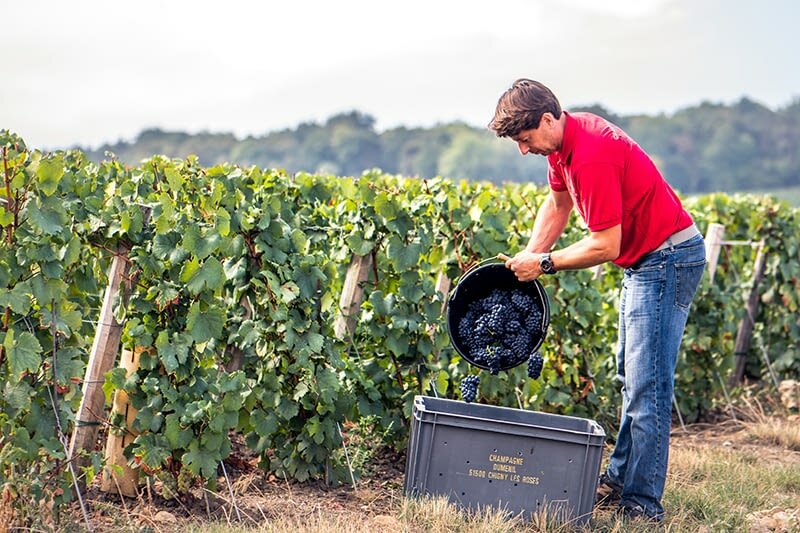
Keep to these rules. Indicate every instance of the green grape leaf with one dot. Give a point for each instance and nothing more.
(358, 244)
(404, 256)
(177, 436)
(174, 179)
(328, 384)
(208, 276)
(153, 449)
(166, 352)
(24, 353)
(223, 222)
(205, 325)
(49, 215)
(199, 245)
(265, 425)
(287, 409)
(6, 217)
(18, 298)
(200, 461)
(166, 245)
(299, 241)
(17, 395)
(289, 292)
(49, 172)
(442, 381)
(397, 342)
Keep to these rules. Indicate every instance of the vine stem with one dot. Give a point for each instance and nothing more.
(12, 207)
(528, 205)
(11, 204)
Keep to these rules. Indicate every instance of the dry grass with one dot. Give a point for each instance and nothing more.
(784, 433)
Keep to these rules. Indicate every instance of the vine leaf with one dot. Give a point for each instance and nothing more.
(264, 424)
(6, 217)
(18, 298)
(49, 172)
(403, 255)
(358, 244)
(200, 461)
(210, 275)
(205, 325)
(24, 353)
(48, 215)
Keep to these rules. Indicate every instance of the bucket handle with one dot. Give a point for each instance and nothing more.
(487, 261)
(484, 262)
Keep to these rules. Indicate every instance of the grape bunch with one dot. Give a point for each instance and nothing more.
(535, 364)
(501, 329)
(469, 388)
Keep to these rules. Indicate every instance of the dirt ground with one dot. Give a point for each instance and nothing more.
(259, 497)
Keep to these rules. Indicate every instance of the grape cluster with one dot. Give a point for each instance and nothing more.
(535, 364)
(501, 329)
(469, 388)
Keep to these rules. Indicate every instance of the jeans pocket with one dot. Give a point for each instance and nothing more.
(687, 279)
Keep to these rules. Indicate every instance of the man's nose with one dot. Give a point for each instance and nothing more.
(523, 148)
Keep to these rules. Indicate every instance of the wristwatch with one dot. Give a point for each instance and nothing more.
(546, 264)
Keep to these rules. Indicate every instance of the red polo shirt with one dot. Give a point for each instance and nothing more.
(613, 181)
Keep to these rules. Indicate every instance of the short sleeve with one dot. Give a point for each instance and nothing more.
(599, 187)
(555, 177)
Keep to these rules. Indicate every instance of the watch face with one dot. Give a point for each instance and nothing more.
(547, 265)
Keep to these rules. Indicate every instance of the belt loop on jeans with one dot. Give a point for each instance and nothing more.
(679, 237)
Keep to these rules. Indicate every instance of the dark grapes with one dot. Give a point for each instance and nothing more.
(501, 329)
(469, 388)
(535, 364)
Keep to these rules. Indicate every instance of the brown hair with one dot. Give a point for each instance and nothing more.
(521, 108)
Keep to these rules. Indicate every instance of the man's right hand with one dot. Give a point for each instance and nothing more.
(524, 265)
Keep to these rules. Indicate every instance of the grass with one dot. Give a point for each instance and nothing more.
(778, 432)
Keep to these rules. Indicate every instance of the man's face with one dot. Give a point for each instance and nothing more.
(543, 140)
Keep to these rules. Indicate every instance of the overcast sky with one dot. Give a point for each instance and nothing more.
(89, 71)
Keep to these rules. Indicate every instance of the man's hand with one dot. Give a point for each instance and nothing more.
(525, 265)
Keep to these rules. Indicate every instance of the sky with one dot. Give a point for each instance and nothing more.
(89, 72)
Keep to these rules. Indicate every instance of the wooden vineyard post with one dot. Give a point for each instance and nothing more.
(713, 246)
(745, 333)
(352, 295)
(118, 477)
(105, 346)
(443, 284)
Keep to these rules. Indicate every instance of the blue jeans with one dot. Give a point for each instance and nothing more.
(654, 304)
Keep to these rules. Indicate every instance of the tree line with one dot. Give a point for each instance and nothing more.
(704, 148)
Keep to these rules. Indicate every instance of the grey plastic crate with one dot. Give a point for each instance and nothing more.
(521, 461)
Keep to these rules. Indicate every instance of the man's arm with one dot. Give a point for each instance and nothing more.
(550, 221)
(597, 248)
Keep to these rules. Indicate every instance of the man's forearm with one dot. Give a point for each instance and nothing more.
(548, 226)
(585, 253)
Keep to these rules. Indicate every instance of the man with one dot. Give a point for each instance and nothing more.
(636, 221)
